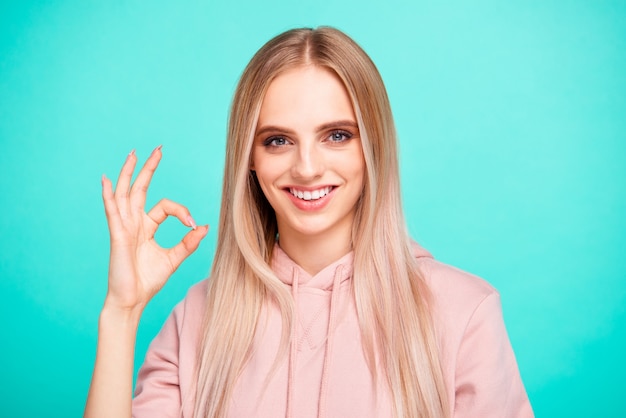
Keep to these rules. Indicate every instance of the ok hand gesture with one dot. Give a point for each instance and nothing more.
(138, 266)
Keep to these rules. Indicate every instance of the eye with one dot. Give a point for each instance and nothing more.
(339, 136)
(275, 141)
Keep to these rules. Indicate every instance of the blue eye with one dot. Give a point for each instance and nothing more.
(275, 141)
(339, 136)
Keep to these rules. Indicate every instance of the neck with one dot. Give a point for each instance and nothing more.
(314, 253)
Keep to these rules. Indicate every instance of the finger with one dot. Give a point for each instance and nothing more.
(140, 186)
(110, 206)
(188, 245)
(123, 182)
(166, 208)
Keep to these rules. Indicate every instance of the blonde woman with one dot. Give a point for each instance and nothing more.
(318, 303)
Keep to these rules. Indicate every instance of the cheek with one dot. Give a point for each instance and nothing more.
(360, 178)
(356, 166)
(267, 171)
(360, 181)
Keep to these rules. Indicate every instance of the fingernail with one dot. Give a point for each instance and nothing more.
(192, 223)
(157, 149)
(130, 154)
(103, 178)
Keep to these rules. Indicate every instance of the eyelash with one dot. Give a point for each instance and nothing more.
(346, 136)
(271, 141)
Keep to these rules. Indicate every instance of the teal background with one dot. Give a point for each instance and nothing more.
(512, 120)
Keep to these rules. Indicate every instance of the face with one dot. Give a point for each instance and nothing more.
(307, 154)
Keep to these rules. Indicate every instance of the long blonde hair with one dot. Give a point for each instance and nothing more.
(392, 299)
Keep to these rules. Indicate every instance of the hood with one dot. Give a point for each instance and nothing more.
(419, 251)
(330, 279)
(286, 269)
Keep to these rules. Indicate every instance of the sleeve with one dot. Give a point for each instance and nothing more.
(157, 392)
(488, 382)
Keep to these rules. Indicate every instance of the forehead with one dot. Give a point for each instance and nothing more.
(305, 97)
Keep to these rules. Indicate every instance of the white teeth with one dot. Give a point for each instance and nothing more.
(308, 195)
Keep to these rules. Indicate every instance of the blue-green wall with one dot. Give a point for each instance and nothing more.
(512, 119)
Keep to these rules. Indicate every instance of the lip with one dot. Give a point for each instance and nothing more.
(310, 205)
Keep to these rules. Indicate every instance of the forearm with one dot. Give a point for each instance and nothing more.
(110, 394)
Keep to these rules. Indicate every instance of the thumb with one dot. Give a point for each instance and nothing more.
(190, 242)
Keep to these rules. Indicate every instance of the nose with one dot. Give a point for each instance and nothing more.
(308, 162)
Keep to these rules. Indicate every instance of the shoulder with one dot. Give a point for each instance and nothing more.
(195, 299)
(454, 290)
(181, 329)
(190, 310)
(459, 300)
(453, 286)
(477, 357)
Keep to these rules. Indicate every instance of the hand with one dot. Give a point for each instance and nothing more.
(138, 266)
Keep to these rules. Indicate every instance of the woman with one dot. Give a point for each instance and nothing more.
(318, 303)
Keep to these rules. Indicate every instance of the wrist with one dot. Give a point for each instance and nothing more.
(120, 315)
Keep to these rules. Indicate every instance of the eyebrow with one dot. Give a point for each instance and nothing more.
(323, 127)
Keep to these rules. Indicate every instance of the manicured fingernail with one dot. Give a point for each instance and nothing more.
(157, 149)
(103, 178)
(130, 154)
(192, 223)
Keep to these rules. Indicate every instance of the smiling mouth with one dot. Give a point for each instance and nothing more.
(310, 194)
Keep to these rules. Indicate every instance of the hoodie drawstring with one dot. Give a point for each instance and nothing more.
(332, 319)
(293, 349)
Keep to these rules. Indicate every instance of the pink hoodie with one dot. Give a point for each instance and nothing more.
(326, 374)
